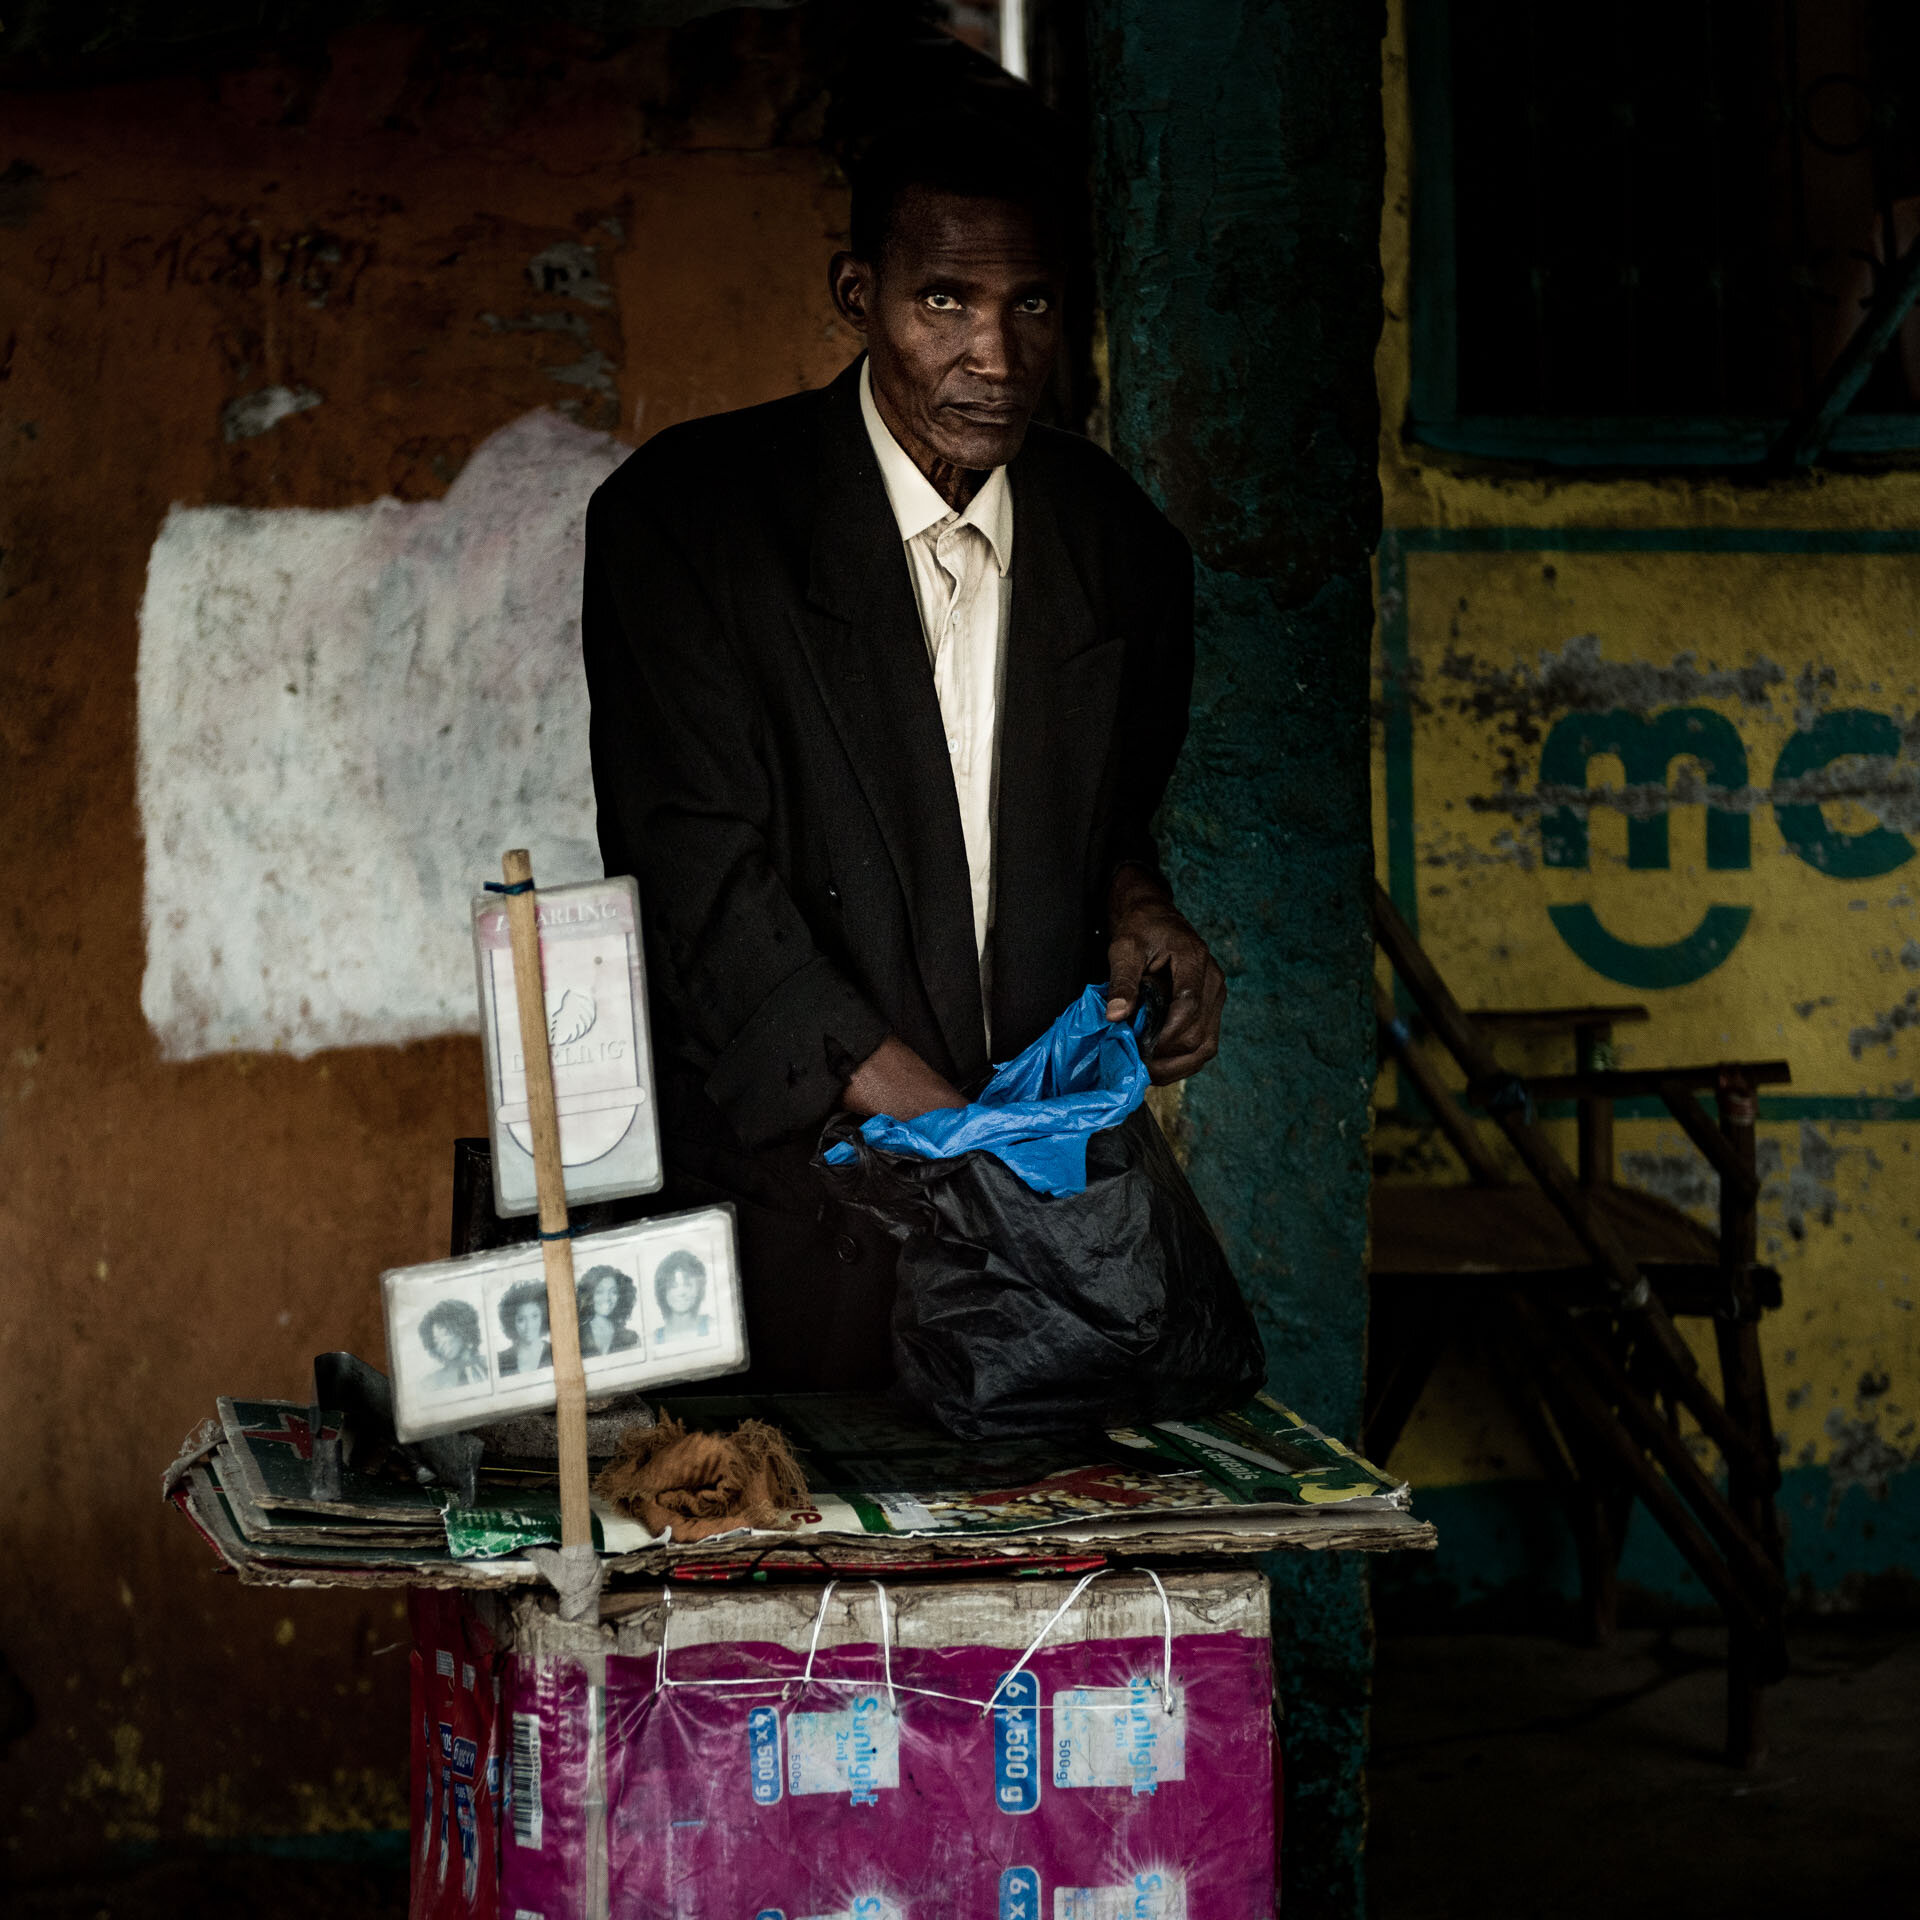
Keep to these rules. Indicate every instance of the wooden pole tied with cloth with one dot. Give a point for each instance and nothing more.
(575, 1570)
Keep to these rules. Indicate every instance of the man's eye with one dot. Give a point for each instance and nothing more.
(1035, 303)
(943, 303)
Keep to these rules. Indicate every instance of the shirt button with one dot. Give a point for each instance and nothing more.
(953, 743)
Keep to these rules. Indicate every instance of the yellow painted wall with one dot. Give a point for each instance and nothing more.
(1500, 646)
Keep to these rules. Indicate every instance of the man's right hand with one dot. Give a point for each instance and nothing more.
(894, 1080)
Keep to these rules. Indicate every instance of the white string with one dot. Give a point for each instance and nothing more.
(886, 1652)
(662, 1681)
(1019, 1666)
(1166, 1621)
(819, 1621)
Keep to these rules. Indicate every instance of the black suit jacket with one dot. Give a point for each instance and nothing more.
(770, 764)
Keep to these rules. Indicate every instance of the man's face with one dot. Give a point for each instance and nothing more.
(962, 321)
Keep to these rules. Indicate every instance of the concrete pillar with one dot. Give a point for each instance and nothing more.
(1238, 177)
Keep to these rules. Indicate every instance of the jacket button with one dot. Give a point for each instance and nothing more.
(848, 1248)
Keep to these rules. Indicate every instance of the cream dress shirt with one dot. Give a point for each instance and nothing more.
(961, 565)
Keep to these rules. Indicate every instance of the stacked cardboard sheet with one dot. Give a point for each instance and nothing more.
(885, 1492)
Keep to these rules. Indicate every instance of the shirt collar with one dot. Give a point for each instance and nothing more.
(916, 505)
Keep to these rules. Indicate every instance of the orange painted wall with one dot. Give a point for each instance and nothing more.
(359, 224)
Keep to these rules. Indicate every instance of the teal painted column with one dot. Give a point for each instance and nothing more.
(1238, 169)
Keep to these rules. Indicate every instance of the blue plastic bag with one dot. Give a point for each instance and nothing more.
(1083, 1075)
(1055, 1271)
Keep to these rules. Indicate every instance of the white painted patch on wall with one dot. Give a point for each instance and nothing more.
(345, 717)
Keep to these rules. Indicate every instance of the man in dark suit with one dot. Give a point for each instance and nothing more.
(886, 688)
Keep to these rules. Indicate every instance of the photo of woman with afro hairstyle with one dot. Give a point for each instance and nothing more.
(450, 1331)
(523, 1319)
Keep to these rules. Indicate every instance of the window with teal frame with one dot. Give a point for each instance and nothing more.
(1644, 231)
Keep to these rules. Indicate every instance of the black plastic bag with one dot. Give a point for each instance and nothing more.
(1024, 1313)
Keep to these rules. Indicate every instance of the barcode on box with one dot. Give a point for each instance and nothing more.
(528, 1816)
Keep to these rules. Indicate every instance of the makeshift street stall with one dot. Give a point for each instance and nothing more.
(989, 1645)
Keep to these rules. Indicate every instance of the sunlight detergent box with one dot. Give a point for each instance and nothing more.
(1006, 1750)
(455, 1774)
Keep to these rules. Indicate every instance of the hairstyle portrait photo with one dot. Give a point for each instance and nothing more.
(523, 1319)
(680, 1289)
(450, 1332)
(606, 1297)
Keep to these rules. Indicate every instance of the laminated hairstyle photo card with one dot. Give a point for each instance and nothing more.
(469, 1340)
(595, 979)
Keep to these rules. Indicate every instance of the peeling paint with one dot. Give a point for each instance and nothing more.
(593, 371)
(1684, 1179)
(1806, 1190)
(216, 1812)
(1578, 679)
(353, 1800)
(256, 413)
(124, 1792)
(1859, 1458)
(1884, 1027)
(1889, 789)
(572, 271)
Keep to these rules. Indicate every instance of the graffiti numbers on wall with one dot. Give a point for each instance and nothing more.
(222, 247)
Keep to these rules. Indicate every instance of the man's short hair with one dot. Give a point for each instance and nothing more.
(977, 156)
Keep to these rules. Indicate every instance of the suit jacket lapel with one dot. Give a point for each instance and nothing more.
(869, 658)
(1059, 691)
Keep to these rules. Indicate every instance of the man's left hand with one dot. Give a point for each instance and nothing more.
(1149, 932)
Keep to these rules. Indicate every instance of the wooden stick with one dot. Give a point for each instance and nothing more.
(1459, 1130)
(1626, 1083)
(1456, 1033)
(1662, 1442)
(550, 1180)
(1808, 432)
(1573, 1389)
(1738, 1182)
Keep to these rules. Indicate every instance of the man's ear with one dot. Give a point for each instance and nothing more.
(850, 287)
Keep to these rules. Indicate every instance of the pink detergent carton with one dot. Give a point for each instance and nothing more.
(1013, 1750)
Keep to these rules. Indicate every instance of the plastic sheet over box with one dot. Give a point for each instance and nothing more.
(835, 1758)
